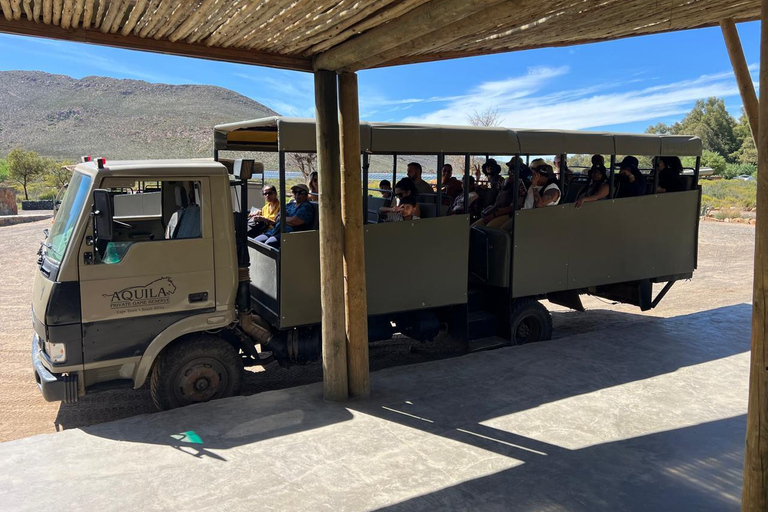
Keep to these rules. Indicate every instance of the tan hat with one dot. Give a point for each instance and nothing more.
(537, 162)
(544, 169)
(301, 186)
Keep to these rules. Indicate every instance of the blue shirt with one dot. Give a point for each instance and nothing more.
(304, 211)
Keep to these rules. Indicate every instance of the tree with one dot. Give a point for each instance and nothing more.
(659, 129)
(747, 152)
(306, 162)
(58, 174)
(488, 117)
(715, 161)
(3, 170)
(25, 167)
(711, 122)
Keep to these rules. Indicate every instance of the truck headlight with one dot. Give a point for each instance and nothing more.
(57, 352)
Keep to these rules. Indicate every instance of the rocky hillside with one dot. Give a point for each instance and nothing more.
(65, 118)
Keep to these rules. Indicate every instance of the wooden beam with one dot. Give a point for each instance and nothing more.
(403, 29)
(754, 497)
(741, 70)
(81, 35)
(356, 308)
(331, 238)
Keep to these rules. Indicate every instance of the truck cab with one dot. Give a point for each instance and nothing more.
(109, 298)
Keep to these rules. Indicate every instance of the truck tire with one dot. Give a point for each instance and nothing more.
(196, 369)
(529, 322)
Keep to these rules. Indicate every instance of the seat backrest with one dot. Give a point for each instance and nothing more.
(189, 222)
(375, 202)
(575, 186)
(373, 217)
(687, 181)
(428, 210)
(428, 198)
(316, 217)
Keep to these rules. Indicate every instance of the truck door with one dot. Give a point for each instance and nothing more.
(157, 270)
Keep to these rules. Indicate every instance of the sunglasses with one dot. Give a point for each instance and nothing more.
(399, 195)
(269, 192)
(298, 192)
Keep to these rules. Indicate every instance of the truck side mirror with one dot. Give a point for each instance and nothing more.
(103, 211)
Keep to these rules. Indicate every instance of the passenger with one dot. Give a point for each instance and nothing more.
(403, 188)
(631, 180)
(568, 172)
(499, 212)
(670, 168)
(312, 184)
(451, 186)
(525, 171)
(597, 187)
(300, 216)
(492, 171)
(457, 208)
(543, 190)
(414, 173)
(406, 210)
(386, 189)
(262, 219)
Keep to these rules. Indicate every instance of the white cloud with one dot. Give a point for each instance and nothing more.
(288, 92)
(522, 102)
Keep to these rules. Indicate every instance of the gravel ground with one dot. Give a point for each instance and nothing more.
(724, 278)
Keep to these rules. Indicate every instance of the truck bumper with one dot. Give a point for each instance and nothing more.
(54, 388)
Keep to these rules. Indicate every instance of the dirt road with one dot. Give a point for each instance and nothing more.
(724, 278)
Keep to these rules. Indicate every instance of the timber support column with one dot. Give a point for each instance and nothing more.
(743, 77)
(354, 243)
(331, 238)
(754, 496)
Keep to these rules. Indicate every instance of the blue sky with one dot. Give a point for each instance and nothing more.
(623, 85)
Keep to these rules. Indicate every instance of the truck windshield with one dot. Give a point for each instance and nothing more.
(66, 218)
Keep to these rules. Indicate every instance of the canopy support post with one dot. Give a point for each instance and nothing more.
(331, 238)
(356, 306)
(741, 70)
(755, 490)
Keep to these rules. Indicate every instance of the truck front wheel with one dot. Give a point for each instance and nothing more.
(196, 369)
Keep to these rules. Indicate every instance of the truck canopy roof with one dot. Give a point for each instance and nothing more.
(151, 168)
(298, 135)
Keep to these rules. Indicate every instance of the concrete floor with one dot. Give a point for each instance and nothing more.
(639, 418)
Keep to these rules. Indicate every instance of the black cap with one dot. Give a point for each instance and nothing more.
(629, 162)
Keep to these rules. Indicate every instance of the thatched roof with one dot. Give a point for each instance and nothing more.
(356, 34)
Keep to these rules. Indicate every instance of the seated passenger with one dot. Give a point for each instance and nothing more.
(457, 208)
(385, 188)
(403, 188)
(262, 219)
(669, 169)
(630, 180)
(450, 185)
(525, 171)
(543, 190)
(312, 184)
(568, 172)
(492, 171)
(300, 216)
(499, 212)
(597, 187)
(406, 210)
(414, 173)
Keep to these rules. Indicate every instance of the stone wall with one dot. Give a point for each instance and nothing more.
(8, 201)
(37, 205)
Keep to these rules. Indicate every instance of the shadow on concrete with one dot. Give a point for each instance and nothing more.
(696, 468)
(452, 398)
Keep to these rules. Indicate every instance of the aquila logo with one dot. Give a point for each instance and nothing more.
(157, 292)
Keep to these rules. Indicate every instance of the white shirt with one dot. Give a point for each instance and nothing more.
(529, 201)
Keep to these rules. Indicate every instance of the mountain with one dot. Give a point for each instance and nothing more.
(65, 118)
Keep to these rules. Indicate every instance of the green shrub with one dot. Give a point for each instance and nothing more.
(3, 171)
(728, 214)
(729, 193)
(46, 196)
(733, 170)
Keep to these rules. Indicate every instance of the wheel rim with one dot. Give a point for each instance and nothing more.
(200, 380)
(528, 330)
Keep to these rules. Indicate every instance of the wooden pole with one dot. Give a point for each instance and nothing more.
(741, 70)
(356, 307)
(331, 238)
(754, 496)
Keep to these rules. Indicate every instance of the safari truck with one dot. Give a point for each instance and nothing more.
(148, 275)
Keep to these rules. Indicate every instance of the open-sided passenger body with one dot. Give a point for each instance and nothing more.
(438, 263)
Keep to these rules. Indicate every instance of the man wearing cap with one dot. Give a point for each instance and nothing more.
(525, 171)
(631, 180)
(299, 216)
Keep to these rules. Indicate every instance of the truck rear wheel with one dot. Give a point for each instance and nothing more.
(196, 369)
(529, 322)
